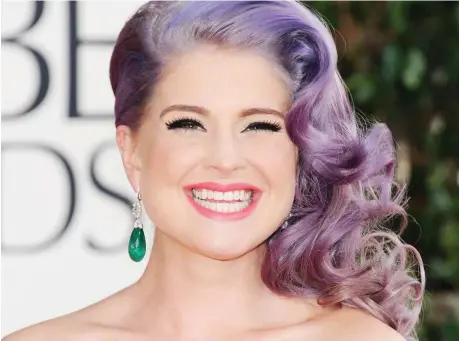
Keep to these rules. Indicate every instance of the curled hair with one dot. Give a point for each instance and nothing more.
(335, 248)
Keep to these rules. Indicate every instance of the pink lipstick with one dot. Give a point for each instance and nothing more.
(234, 208)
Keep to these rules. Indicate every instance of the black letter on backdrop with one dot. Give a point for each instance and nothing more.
(72, 198)
(43, 86)
(74, 43)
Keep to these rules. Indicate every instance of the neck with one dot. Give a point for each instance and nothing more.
(190, 296)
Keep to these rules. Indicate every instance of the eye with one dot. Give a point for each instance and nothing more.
(266, 125)
(185, 124)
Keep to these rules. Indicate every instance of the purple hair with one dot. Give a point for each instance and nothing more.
(334, 249)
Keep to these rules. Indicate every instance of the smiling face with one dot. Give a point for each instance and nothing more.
(215, 166)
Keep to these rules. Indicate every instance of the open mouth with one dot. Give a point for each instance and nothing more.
(223, 202)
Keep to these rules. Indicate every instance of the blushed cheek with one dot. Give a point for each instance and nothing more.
(277, 153)
(170, 159)
(276, 159)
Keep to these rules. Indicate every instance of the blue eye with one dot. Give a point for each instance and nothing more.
(185, 124)
(267, 126)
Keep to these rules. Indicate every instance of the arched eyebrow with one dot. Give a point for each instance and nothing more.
(203, 111)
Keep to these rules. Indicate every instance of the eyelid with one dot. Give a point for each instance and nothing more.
(192, 123)
(198, 125)
(276, 125)
(184, 118)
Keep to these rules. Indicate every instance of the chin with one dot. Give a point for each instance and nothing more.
(226, 251)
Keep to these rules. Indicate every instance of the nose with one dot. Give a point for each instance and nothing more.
(225, 153)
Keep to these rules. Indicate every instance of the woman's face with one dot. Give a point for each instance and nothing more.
(213, 161)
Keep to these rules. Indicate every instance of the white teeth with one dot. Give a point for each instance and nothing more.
(224, 207)
(239, 195)
(221, 207)
(231, 201)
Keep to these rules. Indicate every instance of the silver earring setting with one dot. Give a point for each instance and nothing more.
(137, 245)
(286, 222)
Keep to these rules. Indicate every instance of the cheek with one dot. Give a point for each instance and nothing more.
(275, 157)
(167, 159)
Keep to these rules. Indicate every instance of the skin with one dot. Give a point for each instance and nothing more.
(202, 281)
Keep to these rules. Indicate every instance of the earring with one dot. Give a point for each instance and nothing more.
(137, 245)
(285, 224)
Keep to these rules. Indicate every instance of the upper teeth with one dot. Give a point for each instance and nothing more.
(225, 196)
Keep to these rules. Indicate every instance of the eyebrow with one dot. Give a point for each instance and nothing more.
(204, 111)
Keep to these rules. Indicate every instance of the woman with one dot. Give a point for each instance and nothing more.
(236, 131)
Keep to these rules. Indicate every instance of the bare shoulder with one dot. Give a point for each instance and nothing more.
(93, 323)
(348, 324)
(69, 329)
(62, 328)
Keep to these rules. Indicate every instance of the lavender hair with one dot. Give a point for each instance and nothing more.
(335, 248)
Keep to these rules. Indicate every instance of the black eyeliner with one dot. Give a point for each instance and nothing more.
(184, 123)
(266, 126)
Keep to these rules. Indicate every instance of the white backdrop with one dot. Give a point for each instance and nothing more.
(65, 219)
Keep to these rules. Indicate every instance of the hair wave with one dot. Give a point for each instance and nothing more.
(335, 248)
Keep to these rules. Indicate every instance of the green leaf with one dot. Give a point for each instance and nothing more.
(450, 240)
(437, 177)
(361, 87)
(450, 329)
(415, 68)
(441, 200)
(442, 269)
(391, 61)
(397, 14)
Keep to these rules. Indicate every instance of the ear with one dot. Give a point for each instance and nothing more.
(127, 146)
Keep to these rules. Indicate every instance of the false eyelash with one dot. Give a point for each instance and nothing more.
(178, 123)
(271, 124)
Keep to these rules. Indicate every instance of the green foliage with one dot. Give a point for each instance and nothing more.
(400, 61)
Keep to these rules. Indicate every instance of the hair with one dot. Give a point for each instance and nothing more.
(335, 248)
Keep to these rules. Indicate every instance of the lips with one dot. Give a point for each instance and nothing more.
(223, 201)
(214, 186)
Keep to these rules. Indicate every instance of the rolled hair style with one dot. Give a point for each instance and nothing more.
(335, 249)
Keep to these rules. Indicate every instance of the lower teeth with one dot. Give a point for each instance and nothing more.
(223, 206)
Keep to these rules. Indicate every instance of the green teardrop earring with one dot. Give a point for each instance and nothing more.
(137, 245)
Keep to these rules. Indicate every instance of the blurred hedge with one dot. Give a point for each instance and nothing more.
(400, 61)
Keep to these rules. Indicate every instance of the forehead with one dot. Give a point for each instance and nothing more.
(223, 80)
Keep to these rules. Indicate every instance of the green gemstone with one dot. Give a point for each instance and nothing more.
(137, 244)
